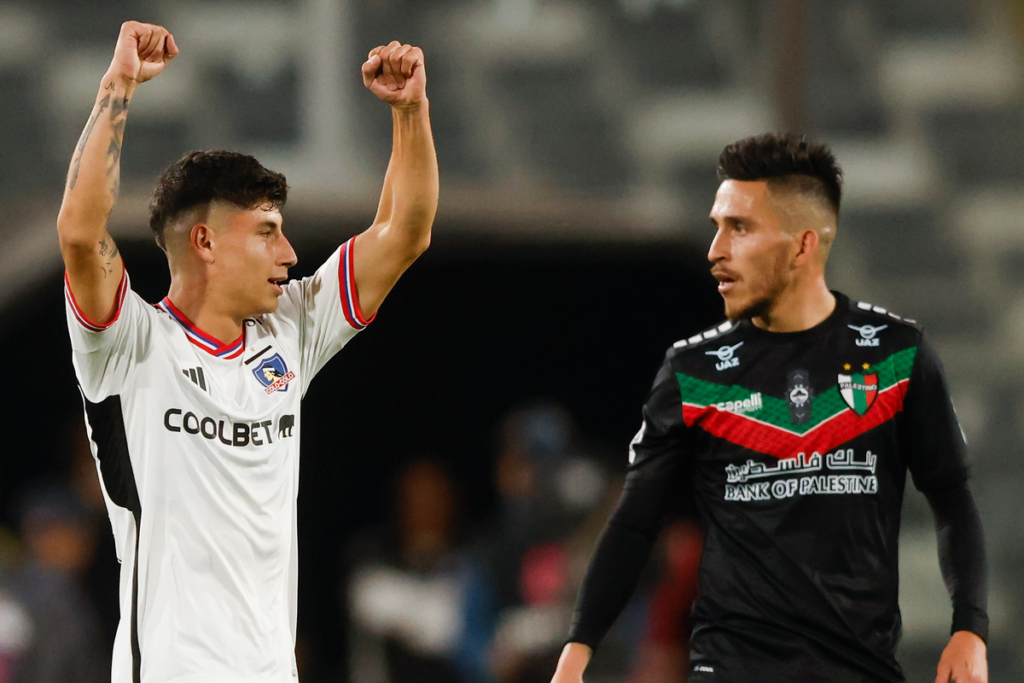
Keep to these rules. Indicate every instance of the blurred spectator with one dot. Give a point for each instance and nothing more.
(664, 654)
(60, 641)
(101, 578)
(547, 487)
(15, 635)
(421, 609)
(15, 626)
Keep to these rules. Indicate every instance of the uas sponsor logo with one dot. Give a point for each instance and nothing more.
(726, 356)
(859, 391)
(273, 374)
(867, 334)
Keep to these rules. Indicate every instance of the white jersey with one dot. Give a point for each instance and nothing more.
(197, 446)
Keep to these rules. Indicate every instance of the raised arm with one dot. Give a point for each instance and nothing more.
(401, 230)
(91, 258)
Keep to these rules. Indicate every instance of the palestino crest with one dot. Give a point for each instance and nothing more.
(273, 374)
(859, 391)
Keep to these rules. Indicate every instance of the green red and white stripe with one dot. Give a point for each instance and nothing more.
(769, 430)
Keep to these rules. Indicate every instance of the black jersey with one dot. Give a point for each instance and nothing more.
(796, 448)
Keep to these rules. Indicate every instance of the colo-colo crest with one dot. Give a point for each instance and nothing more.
(273, 374)
(859, 391)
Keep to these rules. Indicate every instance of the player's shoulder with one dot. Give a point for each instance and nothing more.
(869, 320)
(714, 340)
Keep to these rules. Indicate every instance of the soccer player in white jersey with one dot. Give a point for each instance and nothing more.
(193, 404)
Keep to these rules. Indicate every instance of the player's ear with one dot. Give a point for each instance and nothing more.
(807, 245)
(201, 239)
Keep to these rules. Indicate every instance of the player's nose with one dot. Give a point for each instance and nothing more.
(719, 247)
(286, 255)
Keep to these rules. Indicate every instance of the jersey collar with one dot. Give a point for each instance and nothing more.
(207, 342)
(834, 318)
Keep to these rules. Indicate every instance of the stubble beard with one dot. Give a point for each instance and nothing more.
(761, 303)
(754, 309)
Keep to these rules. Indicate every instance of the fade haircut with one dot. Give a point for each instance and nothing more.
(788, 162)
(199, 178)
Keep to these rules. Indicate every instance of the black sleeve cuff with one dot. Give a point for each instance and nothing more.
(971, 619)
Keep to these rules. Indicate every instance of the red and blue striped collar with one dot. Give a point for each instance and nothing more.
(203, 340)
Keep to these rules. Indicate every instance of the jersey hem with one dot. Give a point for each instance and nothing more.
(349, 294)
(122, 288)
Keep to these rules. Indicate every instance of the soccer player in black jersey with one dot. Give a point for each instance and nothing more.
(792, 426)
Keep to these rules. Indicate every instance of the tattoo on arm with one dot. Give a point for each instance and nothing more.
(118, 107)
(80, 148)
(118, 118)
(108, 249)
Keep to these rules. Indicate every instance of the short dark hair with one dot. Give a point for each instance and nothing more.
(786, 159)
(201, 177)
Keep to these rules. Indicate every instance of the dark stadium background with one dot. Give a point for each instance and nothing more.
(577, 145)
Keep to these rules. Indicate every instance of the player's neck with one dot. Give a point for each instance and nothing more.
(798, 308)
(200, 308)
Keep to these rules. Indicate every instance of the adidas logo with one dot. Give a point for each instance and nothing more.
(197, 377)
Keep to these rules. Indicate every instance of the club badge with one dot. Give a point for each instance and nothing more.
(859, 391)
(799, 396)
(273, 374)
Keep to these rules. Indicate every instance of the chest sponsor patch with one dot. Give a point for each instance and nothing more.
(802, 476)
(273, 374)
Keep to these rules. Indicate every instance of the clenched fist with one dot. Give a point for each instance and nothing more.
(395, 73)
(142, 51)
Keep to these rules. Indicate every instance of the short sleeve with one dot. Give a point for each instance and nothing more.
(324, 308)
(930, 435)
(662, 447)
(105, 354)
